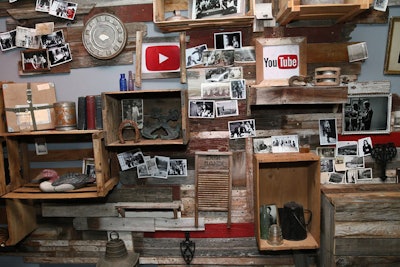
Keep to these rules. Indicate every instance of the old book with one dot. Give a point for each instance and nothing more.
(98, 115)
(81, 124)
(91, 112)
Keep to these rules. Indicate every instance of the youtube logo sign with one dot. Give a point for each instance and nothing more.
(164, 57)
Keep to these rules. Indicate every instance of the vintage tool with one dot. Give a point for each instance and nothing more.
(188, 248)
(128, 130)
(383, 153)
(294, 226)
(327, 76)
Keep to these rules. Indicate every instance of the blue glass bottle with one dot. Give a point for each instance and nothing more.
(122, 83)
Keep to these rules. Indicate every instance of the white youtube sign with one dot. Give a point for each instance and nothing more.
(160, 57)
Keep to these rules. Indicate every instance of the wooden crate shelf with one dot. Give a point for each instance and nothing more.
(24, 164)
(291, 10)
(161, 7)
(164, 100)
(283, 177)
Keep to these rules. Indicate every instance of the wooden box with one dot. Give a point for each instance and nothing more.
(30, 103)
(283, 177)
(360, 225)
(162, 11)
(156, 107)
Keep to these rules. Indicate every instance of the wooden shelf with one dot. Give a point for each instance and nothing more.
(161, 7)
(291, 10)
(280, 95)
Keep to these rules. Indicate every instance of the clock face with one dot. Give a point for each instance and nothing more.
(104, 36)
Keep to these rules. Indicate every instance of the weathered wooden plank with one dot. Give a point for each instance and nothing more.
(367, 246)
(76, 210)
(183, 224)
(367, 260)
(115, 224)
(366, 229)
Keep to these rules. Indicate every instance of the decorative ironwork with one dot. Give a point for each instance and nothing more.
(383, 153)
(188, 248)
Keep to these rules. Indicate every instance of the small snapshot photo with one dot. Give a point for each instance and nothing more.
(206, 8)
(43, 5)
(238, 89)
(162, 167)
(41, 146)
(242, 129)
(151, 166)
(27, 38)
(285, 143)
(142, 171)
(353, 162)
(351, 176)
(217, 90)
(220, 74)
(357, 52)
(344, 148)
(337, 177)
(327, 165)
(217, 57)
(272, 213)
(7, 40)
(59, 55)
(194, 55)
(177, 167)
(132, 109)
(228, 40)
(327, 132)
(201, 109)
(326, 152)
(52, 40)
(63, 9)
(245, 54)
(130, 159)
(364, 146)
(88, 167)
(35, 60)
(227, 108)
(262, 145)
(364, 175)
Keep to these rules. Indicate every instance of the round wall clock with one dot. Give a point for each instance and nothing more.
(104, 36)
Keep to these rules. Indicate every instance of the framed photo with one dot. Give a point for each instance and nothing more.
(201, 109)
(367, 114)
(205, 9)
(132, 109)
(327, 132)
(7, 40)
(280, 59)
(262, 145)
(242, 129)
(59, 55)
(392, 62)
(228, 40)
(34, 60)
(177, 167)
(285, 143)
(226, 108)
(88, 167)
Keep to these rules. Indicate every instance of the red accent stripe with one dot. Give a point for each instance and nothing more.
(211, 231)
(393, 137)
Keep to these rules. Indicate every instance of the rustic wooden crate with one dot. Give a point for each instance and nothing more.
(283, 177)
(290, 10)
(164, 100)
(360, 225)
(161, 7)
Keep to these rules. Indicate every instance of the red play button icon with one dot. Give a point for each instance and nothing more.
(161, 58)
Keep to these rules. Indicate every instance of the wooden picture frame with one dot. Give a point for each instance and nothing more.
(392, 57)
(355, 114)
(278, 59)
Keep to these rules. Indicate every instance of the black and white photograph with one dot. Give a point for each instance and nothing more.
(201, 109)
(235, 73)
(130, 159)
(357, 52)
(215, 8)
(177, 167)
(194, 55)
(7, 40)
(52, 40)
(285, 143)
(27, 38)
(217, 90)
(35, 60)
(238, 89)
(245, 54)
(367, 114)
(217, 57)
(228, 40)
(272, 214)
(59, 55)
(142, 171)
(151, 166)
(162, 167)
(380, 5)
(41, 146)
(132, 109)
(353, 162)
(337, 177)
(364, 174)
(349, 148)
(226, 108)
(63, 9)
(220, 74)
(43, 5)
(327, 165)
(327, 132)
(325, 152)
(351, 176)
(88, 167)
(242, 129)
(365, 146)
(262, 145)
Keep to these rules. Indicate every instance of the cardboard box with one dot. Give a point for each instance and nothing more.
(29, 106)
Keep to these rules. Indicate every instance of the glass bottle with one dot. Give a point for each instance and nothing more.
(131, 82)
(122, 83)
(264, 222)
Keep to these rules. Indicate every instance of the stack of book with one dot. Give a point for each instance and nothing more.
(90, 113)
